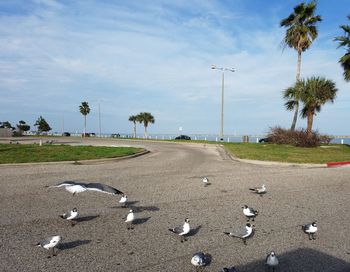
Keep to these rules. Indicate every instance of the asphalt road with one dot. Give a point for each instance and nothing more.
(165, 187)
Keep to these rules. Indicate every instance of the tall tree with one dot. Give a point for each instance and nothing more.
(344, 41)
(315, 92)
(301, 31)
(84, 110)
(42, 125)
(134, 119)
(22, 126)
(145, 118)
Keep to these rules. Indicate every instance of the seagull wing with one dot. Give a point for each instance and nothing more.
(176, 230)
(103, 188)
(239, 233)
(68, 183)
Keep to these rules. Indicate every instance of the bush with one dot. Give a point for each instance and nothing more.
(299, 137)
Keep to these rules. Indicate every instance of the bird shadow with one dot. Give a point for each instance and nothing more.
(86, 218)
(129, 204)
(73, 244)
(139, 221)
(194, 231)
(144, 208)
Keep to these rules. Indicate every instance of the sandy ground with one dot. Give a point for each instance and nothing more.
(164, 188)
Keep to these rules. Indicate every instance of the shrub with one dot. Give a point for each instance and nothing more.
(299, 137)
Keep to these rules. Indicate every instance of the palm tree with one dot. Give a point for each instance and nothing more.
(301, 32)
(134, 119)
(145, 118)
(345, 42)
(315, 92)
(292, 95)
(84, 110)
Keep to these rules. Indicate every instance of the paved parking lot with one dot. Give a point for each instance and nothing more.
(164, 188)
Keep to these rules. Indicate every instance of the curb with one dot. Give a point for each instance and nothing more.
(81, 162)
(337, 164)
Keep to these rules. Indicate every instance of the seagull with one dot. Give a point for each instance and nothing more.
(232, 269)
(249, 212)
(70, 216)
(182, 231)
(310, 229)
(130, 219)
(200, 260)
(78, 187)
(242, 233)
(206, 181)
(272, 260)
(259, 190)
(124, 200)
(50, 244)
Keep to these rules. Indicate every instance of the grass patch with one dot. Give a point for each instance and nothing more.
(288, 153)
(10, 153)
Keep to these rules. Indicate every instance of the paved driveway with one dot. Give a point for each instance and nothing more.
(165, 188)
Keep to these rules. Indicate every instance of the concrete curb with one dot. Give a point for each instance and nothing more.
(81, 162)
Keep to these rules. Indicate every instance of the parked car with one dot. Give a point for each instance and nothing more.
(183, 137)
(115, 135)
(265, 140)
(92, 134)
(67, 134)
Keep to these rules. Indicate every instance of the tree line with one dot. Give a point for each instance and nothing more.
(22, 126)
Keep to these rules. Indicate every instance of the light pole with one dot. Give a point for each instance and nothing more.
(222, 69)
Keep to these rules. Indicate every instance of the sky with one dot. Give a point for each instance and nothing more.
(156, 56)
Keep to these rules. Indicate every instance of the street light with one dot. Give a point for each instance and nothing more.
(223, 69)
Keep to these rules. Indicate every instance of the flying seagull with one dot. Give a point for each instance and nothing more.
(242, 233)
(123, 200)
(310, 229)
(232, 269)
(78, 187)
(272, 261)
(70, 216)
(182, 231)
(130, 219)
(50, 244)
(200, 259)
(206, 182)
(259, 190)
(249, 212)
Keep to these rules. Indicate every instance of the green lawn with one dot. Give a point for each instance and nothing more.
(287, 153)
(11, 153)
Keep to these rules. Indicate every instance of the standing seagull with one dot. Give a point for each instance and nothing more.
(130, 219)
(78, 187)
(50, 243)
(272, 261)
(259, 190)
(310, 229)
(182, 231)
(123, 200)
(249, 212)
(200, 259)
(70, 216)
(206, 182)
(242, 233)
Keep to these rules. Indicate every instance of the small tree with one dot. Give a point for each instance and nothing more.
(6, 124)
(84, 110)
(145, 118)
(42, 125)
(134, 119)
(22, 126)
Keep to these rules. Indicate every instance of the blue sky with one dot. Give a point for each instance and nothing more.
(155, 56)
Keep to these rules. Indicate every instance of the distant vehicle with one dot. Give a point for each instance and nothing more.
(265, 140)
(85, 135)
(92, 134)
(67, 134)
(115, 135)
(183, 137)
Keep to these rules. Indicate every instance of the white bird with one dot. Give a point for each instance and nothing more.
(200, 259)
(123, 200)
(249, 212)
(242, 233)
(71, 215)
(50, 244)
(310, 229)
(206, 182)
(259, 190)
(182, 231)
(130, 219)
(78, 187)
(272, 261)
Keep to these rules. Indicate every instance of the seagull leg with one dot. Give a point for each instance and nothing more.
(244, 241)
(72, 223)
(53, 252)
(313, 236)
(74, 194)
(310, 236)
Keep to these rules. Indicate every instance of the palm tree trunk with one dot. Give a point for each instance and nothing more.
(146, 133)
(297, 104)
(84, 125)
(310, 119)
(134, 129)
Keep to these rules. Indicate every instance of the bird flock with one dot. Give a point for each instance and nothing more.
(200, 259)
